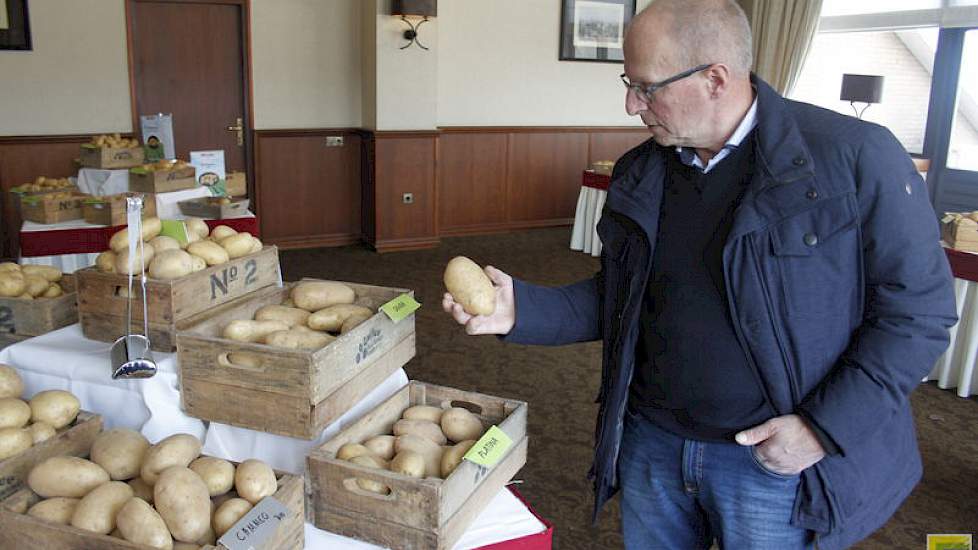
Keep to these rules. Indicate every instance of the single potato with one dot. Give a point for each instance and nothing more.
(56, 510)
(424, 428)
(370, 461)
(430, 450)
(331, 318)
(243, 330)
(211, 252)
(163, 242)
(228, 514)
(217, 473)
(14, 441)
(353, 321)
(96, 512)
(254, 480)
(299, 338)
(381, 445)
(14, 413)
(238, 245)
(171, 264)
(292, 316)
(176, 450)
(470, 286)
(460, 425)
(197, 226)
(452, 457)
(423, 412)
(41, 432)
(182, 501)
(12, 284)
(46, 272)
(54, 290)
(105, 262)
(120, 451)
(317, 295)
(66, 476)
(409, 463)
(222, 232)
(11, 385)
(141, 260)
(138, 522)
(56, 407)
(36, 285)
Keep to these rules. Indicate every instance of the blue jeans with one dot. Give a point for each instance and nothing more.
(680, 494)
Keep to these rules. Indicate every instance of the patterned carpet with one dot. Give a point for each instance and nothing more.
(560, 384)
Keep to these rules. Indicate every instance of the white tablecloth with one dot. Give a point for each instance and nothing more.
(64, 359)
(95, 181)
(956, 368)
(584, 236)
(67, 263)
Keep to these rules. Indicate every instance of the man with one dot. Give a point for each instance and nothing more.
(771, 291)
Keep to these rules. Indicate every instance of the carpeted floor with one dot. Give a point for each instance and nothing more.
(560, 384)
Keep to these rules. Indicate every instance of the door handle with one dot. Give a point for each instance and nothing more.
(239, 128)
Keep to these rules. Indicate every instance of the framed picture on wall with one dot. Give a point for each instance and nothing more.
(15, 30)
(594, 30)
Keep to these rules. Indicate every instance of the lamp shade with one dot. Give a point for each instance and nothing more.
(421, 8)
(863, 88)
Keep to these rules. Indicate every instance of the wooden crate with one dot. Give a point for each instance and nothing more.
(291, 392)
(171, 304)
(19, 196)
(418, 513)
(23, 532)
(210, 208)
(27, 318)
(75, 439)
(960, 237)
(109, 157)
(161, 181)
(9, 339)
(111, 210)
(236, 184)
(44, 209)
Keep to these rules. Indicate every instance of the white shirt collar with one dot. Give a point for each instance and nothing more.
(747, 124)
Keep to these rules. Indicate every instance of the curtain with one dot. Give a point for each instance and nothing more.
(783, 32)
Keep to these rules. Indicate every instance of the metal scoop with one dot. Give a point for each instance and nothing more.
(131, 355)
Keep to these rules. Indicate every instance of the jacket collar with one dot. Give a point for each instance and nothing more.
(781, 149)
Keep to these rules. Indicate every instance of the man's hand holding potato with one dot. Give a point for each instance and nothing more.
(472, 290)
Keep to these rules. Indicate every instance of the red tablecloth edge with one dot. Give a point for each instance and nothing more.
(596, 181)
(964, 265)
(540, 541)
(92, 240)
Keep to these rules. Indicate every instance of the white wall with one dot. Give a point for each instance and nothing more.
(306, 60)
(76, 79)
(498, 66)
(406, 92)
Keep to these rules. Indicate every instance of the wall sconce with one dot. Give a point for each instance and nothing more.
(861, 88)
(414, 8)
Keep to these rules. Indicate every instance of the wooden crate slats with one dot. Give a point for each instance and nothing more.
(41, 315)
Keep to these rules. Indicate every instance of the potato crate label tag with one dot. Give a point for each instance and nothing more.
(489, 448)
(400, 307)
(176, 229)
(256, 527)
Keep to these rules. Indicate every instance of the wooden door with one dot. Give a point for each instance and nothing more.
(190, 59)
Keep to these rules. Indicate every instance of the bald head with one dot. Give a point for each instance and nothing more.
(680, 34)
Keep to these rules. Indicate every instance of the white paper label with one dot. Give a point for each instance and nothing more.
(256, 527)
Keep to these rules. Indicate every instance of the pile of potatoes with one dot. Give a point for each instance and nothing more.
(166, 258)
(314, 310)
(164, 495)
(24, 424)
(426, 442)
(114, 141)
(42, 183)
(164, 165)
(29, 282)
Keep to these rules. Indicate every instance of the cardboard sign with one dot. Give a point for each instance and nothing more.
(157, 133)
(490, 448)
(255, 527)
(176, 229)
(400, 307)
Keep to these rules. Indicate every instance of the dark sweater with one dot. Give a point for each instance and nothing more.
(692, 377)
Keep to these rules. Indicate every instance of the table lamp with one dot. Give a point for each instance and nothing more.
(861, 88)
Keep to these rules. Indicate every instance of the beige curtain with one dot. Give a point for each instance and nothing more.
(783, 32)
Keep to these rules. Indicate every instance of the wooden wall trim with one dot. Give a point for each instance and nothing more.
(403, 134)
(302, 132)
(41, 140)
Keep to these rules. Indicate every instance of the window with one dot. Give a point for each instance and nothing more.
(963, 150)
(904, 58)
(831, 8)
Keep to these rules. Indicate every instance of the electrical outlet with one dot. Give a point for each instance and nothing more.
(408, 198)
(334, 141)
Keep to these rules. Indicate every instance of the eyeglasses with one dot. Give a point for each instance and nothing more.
(645, 91)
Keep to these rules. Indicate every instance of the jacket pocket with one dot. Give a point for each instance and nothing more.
(816, 256)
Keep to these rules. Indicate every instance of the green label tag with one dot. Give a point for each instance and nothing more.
(89, 146)
(400, 307)
(489, 448)
(176, 229)
(138, 170)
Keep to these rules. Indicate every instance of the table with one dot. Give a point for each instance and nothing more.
(75, 244)
(590, 202)
(65, 359)
(956, 367)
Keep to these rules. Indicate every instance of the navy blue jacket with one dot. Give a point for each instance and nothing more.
(840, 295)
